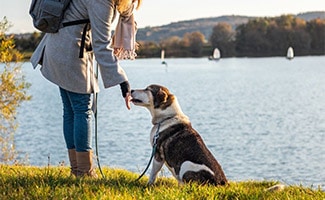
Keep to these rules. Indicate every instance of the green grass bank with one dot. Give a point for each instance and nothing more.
(27, 182)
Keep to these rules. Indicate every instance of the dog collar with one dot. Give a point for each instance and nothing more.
(164, 120)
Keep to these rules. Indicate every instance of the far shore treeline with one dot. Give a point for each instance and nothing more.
(259, 37)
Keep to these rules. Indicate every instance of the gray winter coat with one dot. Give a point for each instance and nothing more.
(58, 53)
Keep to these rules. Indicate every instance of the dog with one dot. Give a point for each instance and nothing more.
(178, 145)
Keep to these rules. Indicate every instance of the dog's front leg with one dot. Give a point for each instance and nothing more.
(156, 167)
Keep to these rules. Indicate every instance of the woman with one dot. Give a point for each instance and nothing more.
(67, 61)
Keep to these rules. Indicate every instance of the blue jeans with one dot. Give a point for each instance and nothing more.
(77, 117)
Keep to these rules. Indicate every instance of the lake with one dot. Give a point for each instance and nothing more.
(262, 118)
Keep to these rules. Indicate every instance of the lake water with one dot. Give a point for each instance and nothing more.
(262, 118)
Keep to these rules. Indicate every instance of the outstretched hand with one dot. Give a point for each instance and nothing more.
(126, 93)
(127, 99)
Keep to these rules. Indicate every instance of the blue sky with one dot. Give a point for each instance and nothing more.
(158, 12)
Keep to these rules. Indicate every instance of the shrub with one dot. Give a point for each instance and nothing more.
(13, 91)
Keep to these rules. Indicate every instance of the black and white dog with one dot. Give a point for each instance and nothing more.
(178, 145)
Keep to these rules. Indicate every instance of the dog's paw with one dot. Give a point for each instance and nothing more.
(150, 183)
(278, 187)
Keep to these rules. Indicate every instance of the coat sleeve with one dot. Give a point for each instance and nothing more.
(101, 14)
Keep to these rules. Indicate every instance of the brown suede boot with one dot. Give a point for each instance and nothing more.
(85, 164)
(73, 161)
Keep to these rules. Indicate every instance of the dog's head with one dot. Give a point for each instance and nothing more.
(160, 102)
(153, 97)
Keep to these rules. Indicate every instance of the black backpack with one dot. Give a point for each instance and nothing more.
(48, 15)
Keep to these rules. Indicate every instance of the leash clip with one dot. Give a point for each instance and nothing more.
(155, 138)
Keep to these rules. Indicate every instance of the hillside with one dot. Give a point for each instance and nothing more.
(204, 25)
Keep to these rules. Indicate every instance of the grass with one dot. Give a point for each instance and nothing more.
(26, 182)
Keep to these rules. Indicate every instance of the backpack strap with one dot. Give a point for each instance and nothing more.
(83, 40)
(83, 37)
(81, 21)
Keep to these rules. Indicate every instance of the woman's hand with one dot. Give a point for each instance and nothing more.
(126, 93)
(128, 100)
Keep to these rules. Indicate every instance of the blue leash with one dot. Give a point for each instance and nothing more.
(154, 148)
(95, 115)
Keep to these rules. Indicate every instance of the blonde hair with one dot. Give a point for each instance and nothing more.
(123, 5)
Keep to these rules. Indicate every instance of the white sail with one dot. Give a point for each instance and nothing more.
(290, 53)
(162, 56)
(216, 54)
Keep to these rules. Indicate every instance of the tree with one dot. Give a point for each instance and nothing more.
(194, 42)
(12, 92)
(148, 49)
(251, 38)
(273, 36)
(296, 34)
(28, 42)
(316, 30)
(172, 46)
(223, 37)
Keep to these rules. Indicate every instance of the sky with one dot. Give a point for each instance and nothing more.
(158, 12)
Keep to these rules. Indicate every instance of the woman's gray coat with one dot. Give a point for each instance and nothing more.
(58, 53)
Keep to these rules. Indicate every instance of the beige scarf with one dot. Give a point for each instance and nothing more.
(124, 43)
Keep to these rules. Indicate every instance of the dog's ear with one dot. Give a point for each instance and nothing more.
(163, 99)
(160, 98)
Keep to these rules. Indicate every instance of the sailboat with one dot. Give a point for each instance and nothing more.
(290, 53)
(216, 54)
(162, 57)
